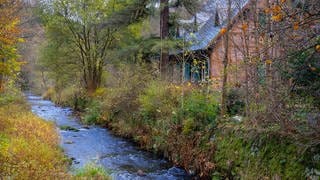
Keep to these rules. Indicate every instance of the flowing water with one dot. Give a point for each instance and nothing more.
(97, 145)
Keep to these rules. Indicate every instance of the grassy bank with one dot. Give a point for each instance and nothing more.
(29, 145)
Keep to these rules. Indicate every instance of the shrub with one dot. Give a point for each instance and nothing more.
(158, 101)
(92, 112)
(120, 100)
(92, 171)
(235, 102)
(10, 95)
(49, 93)
(198, 111)
(304, 72)
(71, 96)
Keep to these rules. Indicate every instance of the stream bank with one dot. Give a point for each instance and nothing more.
(97, 145)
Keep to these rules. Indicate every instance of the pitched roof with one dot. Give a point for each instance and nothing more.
(203, 38)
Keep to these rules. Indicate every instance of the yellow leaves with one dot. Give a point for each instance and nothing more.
(100, 92)
(223, 31)
(269, 61)
(318, 48)
(13, 24)
(195, 62)
(21, 40)
(10, 67)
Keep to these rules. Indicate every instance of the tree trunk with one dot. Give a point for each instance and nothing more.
(225, 63)
(1, 83)
(1, 78)
(164, 34)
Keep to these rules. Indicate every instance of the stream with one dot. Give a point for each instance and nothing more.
(93, 144)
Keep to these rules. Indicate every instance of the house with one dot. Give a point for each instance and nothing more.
(201, 58)
(204, 58)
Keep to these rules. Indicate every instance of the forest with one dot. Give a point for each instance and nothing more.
(160, 89)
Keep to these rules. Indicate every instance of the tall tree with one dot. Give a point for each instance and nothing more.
(9, 37)
(225, 60)
(91, 27)
(164, 34)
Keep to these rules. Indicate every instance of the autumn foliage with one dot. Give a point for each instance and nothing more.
(29, 146)
(9, 37)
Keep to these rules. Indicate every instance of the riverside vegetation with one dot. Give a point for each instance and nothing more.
(29, 145)
(182, 123)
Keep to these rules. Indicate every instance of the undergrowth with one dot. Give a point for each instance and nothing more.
(242, 155)
(182, 122)
(92, 171)
(29, 146)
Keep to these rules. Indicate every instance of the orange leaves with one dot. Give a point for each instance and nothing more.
(9, 21)
(296, 25)
(223, 31)
(267, 10)
(276, 9)
(244, 27)
(277, 17)
(9, 37)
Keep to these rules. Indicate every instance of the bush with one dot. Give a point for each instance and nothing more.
(304, 73)
(92, 171)
(49, 94)
(71, 96)
(92, 112)
(119, 104)
(158, 101)
(10, 95)
(198, 111)
(235, 102)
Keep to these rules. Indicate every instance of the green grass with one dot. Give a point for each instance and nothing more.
(92, 171)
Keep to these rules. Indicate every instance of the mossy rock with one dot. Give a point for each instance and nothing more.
(69, 128)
